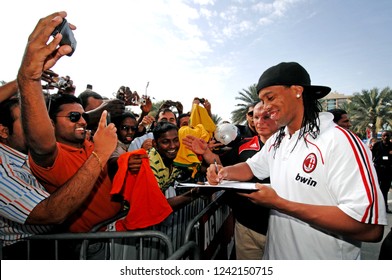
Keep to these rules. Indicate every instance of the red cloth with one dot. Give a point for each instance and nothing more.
(148, 205)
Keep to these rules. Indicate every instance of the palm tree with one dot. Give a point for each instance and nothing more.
(248, 96)
(371, 109)
(216, 119)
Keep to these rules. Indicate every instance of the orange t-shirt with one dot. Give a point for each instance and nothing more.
(99, 205)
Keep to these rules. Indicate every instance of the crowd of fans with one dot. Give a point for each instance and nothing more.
(68, 159)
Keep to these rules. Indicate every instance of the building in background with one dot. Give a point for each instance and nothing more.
(334, 100)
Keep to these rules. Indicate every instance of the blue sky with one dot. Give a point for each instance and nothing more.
(210, 48)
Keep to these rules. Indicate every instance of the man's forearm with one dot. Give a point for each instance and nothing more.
(36, 123)
(68, 198)
(239, 172)
(340, 223)
(8, 90)
(211, 157)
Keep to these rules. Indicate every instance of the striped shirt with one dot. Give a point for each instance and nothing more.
(163, 174)
(20, 192)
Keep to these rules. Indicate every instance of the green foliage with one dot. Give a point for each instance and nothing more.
(247, 96)
(367, 109)
(370, 108)
(216, 119)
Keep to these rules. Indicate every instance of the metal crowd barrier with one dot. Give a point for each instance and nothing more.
(212, 230)
(105, 247)
(164, 241)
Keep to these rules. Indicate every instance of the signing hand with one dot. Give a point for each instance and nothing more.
(213, 177)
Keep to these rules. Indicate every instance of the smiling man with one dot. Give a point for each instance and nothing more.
(57, 140)
(324, 198)
(57, 152)
(165, 148)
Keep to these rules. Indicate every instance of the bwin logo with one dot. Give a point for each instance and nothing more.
(307, 181)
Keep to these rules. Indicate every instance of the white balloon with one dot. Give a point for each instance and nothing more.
(225, 133)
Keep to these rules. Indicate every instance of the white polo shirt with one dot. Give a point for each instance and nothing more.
(333, 169)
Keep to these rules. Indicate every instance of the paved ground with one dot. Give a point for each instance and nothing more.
(370, 251)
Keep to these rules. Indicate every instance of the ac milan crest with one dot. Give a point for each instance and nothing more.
(310, 163)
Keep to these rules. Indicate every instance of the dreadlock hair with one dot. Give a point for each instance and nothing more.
(310, 122)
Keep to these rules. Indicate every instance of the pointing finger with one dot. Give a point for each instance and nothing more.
(102, 121)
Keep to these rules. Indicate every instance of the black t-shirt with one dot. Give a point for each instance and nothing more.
(245, 131)
(381, 154)
(249, 214)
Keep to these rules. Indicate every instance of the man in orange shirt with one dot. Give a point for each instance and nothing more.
(57, 144)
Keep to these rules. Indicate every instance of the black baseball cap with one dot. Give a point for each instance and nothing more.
(288, 74)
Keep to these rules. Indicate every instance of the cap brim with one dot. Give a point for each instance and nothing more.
(318, 91)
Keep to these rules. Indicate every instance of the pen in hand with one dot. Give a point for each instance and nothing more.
(216, 168)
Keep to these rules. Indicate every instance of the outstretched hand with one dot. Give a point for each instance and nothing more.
(197, 145)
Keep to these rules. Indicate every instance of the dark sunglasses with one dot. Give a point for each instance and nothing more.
(75, 116)
(127, 127)
(250, 114)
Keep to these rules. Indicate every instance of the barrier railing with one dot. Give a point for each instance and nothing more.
(213, 230)
(178, 237)
(107, 241)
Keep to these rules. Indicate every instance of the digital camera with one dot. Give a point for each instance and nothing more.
(61, 83)
(68, 36)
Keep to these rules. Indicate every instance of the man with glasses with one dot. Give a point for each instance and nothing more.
(127, 126)
(57, 139)
(248, 130)
(26, 207)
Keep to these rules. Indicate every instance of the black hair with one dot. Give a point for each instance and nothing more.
(6, 117)
(164, 110)
(182, 116)
(118, 119)
(161, 128)
(56, 100)
(310, 122)
(337, 114)
(83, 96)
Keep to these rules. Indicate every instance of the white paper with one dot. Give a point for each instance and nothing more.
(224, 185)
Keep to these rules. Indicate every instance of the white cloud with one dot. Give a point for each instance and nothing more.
(270, 12)
(186, 48)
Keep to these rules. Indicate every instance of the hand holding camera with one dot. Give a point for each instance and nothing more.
(68, 36)
(129, 97)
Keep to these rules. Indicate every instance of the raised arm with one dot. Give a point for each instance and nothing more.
(39, 56)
